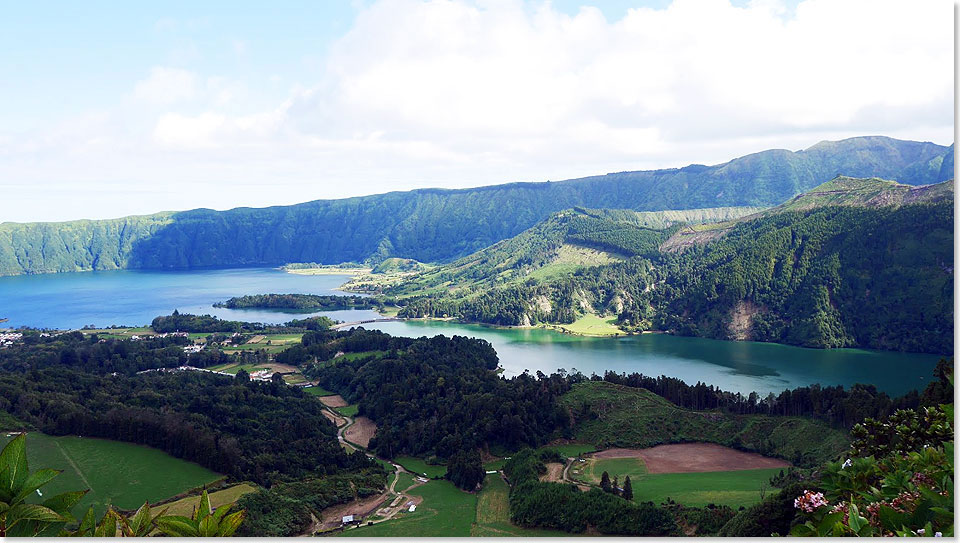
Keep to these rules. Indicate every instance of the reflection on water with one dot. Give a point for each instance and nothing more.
(131, 297)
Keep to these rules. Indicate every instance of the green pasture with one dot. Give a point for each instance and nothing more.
(120, 474)
(347, 410)
(493, 513)
(446, 511)
(418, 466)
(733, 488)
(318, 391)
(592, 470)
(404, 481)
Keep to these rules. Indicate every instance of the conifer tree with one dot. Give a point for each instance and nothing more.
(627, 489)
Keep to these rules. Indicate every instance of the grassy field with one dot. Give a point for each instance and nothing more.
(185, 506)
(121, 474)
(610, 415)
(418, 466)
(591, 325)
(347, 411)
(446, 511)
(621, 467)
(294, 378)
(733, 488)
(347, 357)
(493, 513)
(404, 481)
(318, 391)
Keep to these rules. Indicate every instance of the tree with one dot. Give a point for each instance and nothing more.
(627, 489)
(242, 376)
(465, 469)
(605, 482)
(277, 379)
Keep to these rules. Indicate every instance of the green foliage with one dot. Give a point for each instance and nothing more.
(17, 483)
(775, 515)
(906, 489)
(564, 507)
(611, 415)
(465, 469)
(204, 522)
(436, 225)
(834, 276)
(305, 302)
(437, 396)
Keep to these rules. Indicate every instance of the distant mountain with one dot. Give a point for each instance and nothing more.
(855, 262)
(436, 225)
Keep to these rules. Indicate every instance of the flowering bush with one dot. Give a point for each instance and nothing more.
(906, 491)
(810, 501)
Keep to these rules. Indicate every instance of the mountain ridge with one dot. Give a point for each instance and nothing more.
(438, 225)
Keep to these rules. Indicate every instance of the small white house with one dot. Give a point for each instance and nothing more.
(348, 519)
(413, 508)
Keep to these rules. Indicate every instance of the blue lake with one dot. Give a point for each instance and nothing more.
(135, 297)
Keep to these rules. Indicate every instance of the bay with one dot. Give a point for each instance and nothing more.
(134, 297)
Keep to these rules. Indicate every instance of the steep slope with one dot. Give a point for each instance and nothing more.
(440, 225)
(839, 191)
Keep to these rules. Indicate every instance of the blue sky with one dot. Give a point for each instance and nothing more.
(118, 108)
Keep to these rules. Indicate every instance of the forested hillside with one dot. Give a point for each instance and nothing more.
(439, 225)
(843, 272)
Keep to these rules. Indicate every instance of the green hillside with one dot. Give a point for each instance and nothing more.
(855, 263)
(559, 246)
(839, 191)
(440, 225)
(609, 415)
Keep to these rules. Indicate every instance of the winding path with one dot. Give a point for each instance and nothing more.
(391, 490)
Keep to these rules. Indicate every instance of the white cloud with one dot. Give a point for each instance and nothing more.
(459, 93)
(166, 86)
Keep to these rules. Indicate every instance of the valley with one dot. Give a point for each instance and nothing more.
(578, 370)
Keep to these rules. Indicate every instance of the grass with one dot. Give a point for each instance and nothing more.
(318, 391)
(404, 481)
(121, 474)
(446, 511)
(294, 378)
(733, 488)
(615, 467)
(591, 325)
(418, 466)
(493, 513)
(347, 411)
(617, 416)
(347, 357)
(185, 506)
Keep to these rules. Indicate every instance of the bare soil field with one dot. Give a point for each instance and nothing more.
(694, 458)
(554, 473)
(333, 401)
(333, 516)
(361, 431)
(337, 421)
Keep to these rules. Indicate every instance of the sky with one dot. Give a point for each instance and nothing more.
(117, 108)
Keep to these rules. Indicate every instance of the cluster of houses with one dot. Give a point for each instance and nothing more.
(165, 334)
(9, 338)
(261, 375)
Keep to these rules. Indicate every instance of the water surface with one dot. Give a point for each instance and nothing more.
(131, 297)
